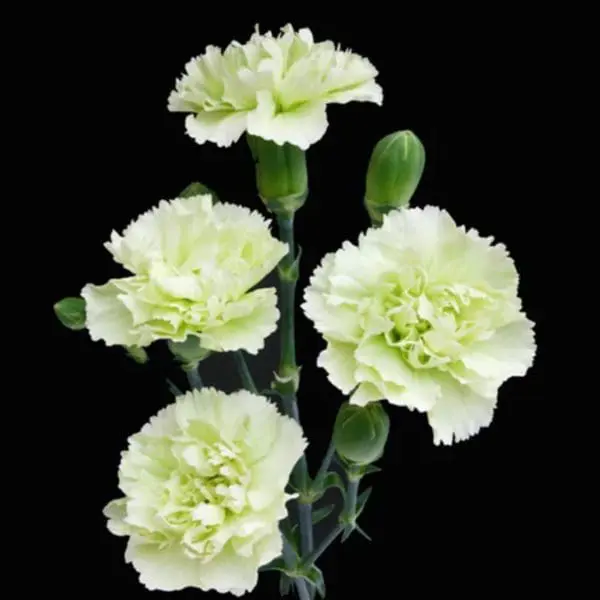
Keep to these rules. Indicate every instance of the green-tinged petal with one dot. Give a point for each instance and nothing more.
(193, 264)
(107, 318)
(274, 87)
(459, 413)
(204, 491)
(369, 91)
(116, 512)
(336, 322)
(283, 454)
(302, 126)
(508, 353)
(339, 362)
(421, 392)
(166, 569)
(366, 392)
(429, 311)
(253, 318)
(220, 127)
(230, 573)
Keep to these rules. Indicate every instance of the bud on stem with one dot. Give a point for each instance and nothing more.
(394, 172)
(360, 432)
(281, 175)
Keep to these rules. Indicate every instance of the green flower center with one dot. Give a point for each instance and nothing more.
(429, 323)
(198, 500)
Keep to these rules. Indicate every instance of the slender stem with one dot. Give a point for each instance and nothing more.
(325, 464)
(329, 539)
(287, 293)
(193, 377)
(290, 562)
(306, 527)
(244, 372)
(351, 497)
(302, 589)
(288, 276)
(290, 405)
(173, 388)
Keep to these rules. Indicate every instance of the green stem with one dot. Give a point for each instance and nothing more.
(287, 293)
(193, 376)
(244, 372)
(312, 558)
(351, 497)
(324, 469)
(289, 559)
(306, 527)
(288, 276)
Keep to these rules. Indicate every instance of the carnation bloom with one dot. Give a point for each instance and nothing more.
(425, 314)
(204, 489)
(276, 88)
(193, 263)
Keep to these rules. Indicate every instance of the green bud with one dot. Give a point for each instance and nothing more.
(281, 175)
(360, 432)
(394, 172)
(189, 352)
(71, 312)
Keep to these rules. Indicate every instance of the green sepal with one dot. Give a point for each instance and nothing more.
(322, 513)
(138, 354)
(331, 480)
(285, 584)
(189, 352)
(276, 564)
(315, 577)
(291, 272)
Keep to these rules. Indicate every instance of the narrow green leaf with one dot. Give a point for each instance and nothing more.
(370, 469)
(361, 501)
(347, 533)
(285, 585)
(277, 564)
(322, 513)
(197, 189)
(362, 532)
(315, 577)
(71, 312)
(173, 388)
(333, 479)
(290, 532)
(295, 539)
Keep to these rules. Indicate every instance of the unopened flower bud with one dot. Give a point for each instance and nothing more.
(71, 312)
(281, 176)
(360, 432)
(394, 172)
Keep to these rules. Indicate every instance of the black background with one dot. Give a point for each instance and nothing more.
(462, 517)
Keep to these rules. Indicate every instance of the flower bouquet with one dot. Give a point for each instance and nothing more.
(419, 313)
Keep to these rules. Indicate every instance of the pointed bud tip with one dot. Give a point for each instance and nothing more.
(394, 172)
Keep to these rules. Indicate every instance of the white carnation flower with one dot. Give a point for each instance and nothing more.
(276, 88)
(424, 314)
(204, 489)
(193, 264)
